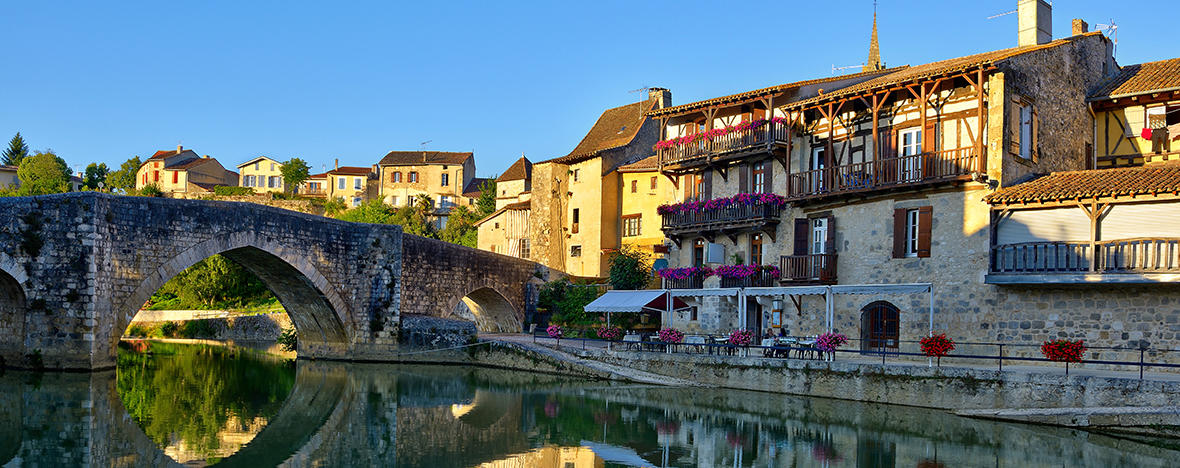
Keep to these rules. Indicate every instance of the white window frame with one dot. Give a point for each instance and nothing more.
(911, 167)
(446, 179)
(911, 233)
(356, 183)
(340, 183)
(1026, 131)
(356, 201)
(819, 236)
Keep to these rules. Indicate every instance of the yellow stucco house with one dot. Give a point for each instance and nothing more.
(446, 177)
(262, 174)
(354, 184)
(644, 190)
(183, 174)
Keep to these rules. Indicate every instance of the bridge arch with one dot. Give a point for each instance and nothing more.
(491, 311)
(319, 313)
(13, 307)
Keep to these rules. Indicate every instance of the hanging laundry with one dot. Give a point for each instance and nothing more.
(1145, 134)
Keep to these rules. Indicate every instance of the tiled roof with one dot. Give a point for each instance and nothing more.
(257, 159)
(472, 188)
(419, 158)
(7, 168)
(762, 92)
(522, 169)
(351, 170)
(1142, 78)
(166, 153)
(318, 176)
(188, 164)
(1094, 183)
(934, 69)
(518, 206)
(647, 164)
(615, 127)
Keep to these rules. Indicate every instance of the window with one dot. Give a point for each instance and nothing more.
(910, 143)
(819, 236)
(272, 166)
(446, 179)
(653, 182)
(356, 201)
(911, 232)
(574, 221)
(444, 201)
(356, 183)
(256, 165)
(525, 252)
(393, 200)
(698, 252)
(1026, 132)
(759, 177)
(634, 186)
(413, 177)
(155, 176)
(756, 249)
(693, 314)
(175, 177)
(575, 251)
(275, 182)
(340, 183)
(631, 225)
(576, 174)
(396, 177)
(497, 225)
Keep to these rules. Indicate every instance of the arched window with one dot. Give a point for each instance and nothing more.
(879, 326)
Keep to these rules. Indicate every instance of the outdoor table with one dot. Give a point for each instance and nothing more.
(632, 341)
(808, 347)
(696, 341)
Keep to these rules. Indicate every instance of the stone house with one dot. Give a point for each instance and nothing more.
(1137, 115)
(262, 175)
(506, 230)
(443, 176)
(575, 199)
(353, 184)
(8, 178)
(316, 185)
(183, 174)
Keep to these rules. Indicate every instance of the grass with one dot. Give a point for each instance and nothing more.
(254, 306)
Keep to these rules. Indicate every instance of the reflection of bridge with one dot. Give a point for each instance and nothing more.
(75, 268)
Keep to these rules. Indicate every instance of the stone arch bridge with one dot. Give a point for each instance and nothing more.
(75, 269)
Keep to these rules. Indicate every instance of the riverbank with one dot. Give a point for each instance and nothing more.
(248, 328)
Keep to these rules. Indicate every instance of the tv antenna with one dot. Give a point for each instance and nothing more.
(1112, 31)
(1006, 13)
(423, 144)
(640, 90)
(836, 69)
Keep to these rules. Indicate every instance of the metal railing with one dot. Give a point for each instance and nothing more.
(883, 173)
(1138, 255)
(692, 282)
(986, 355)
(759, 279)
(819, 268)
(727, 216)
(736, 140)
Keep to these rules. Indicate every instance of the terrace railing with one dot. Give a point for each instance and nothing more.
(810, 268)
(883, 173)
(760, 279)
(692, 282)
(730, 216)
(733, 141)
(1139, 255)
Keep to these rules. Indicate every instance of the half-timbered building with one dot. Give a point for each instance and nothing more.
(1137, 115)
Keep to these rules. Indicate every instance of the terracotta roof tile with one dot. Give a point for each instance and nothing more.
(522, 169)
(351, 170)
(933, 69)
(518, 206)
(419, 158)
(1141, 78)
(750, 95)
(615, 127)
(1093, 183)
(188, 164)
(648, 164)
(472, 188)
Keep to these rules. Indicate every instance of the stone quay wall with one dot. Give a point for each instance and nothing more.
(265, 327)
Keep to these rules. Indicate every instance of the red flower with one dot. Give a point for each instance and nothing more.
(1064, 350)
(937, 346)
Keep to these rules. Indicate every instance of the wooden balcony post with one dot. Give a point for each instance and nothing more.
(982, 161)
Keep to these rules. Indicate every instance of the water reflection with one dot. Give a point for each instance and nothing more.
(196, 406)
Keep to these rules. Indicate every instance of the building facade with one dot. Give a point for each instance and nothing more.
(506, 230)
(8, 177)
(443, 176)
(262, 175)
(183, 174)
(353, 184)
(1137, 115)
(644, 190)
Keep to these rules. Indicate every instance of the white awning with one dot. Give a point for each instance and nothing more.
(904, 288)
(646, 300)
(704, 292)
(788, 291)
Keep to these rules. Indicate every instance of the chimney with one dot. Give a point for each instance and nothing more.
(662, 96)
(179, 149)
(337, 163)
(1080, 27)
(1034, 23)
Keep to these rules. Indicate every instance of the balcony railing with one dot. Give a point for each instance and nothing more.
(731, 142)
(810, 268)
(1140, 255)
(692, 282)
(883, 173)
(737, 215)
(759, 279)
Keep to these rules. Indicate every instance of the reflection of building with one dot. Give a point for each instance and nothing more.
(550, 457)
(232, 437)
(182, 173)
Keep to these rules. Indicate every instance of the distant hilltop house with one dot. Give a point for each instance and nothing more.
(448, 178)
(183, 174)
(354, 184)
(262, 175)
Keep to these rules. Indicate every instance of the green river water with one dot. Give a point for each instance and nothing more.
(195, 405)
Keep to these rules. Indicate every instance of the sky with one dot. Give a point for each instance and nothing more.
(105, 81)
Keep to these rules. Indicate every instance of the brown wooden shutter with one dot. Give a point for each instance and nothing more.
(830, 242)
(1013, 127)
(1034, 150)
(801, 228)
(930, 137)
(708, 191)
(744, 178)
(925, 219)
(888, 141)
(767, 171)
(899, 233)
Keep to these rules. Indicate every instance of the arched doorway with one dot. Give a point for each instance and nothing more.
(492, 312)
(12, 320)
(879, 326)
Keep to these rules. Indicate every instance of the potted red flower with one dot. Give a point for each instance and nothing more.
(1066, 351)
(937, 346)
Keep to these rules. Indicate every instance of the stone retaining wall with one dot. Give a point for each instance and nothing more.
(242, 328)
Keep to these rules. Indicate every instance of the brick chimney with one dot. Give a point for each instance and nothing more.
(662, 96)
(337, 164)
(1034, 22)
(179, 149)
(1080, 27)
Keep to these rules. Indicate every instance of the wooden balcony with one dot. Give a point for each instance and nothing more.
(904, 171)
(760, 279)
(733, 145)
(808, 269)
(692, 282)
(1139, 260)
(1136, 159)
(728, 220)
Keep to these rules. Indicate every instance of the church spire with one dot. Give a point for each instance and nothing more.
(874, 62)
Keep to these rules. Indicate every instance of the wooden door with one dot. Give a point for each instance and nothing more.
(879, 326)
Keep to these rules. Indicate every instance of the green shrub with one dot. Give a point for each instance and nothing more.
(151, 190)
(198, 329)
(138, 331)
(169, 329)
(288, 339)
(227, 191)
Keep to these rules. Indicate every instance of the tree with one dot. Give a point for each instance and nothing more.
(461, 227)
(96, 175)
(124, 178)
(414, 218)
(43, 173)
(629, 269)
(295, 171)
(486, 203)
(17, 150)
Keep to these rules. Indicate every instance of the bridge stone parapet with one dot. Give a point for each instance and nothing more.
(75, 269)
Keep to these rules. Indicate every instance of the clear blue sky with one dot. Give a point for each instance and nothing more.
(104, 81)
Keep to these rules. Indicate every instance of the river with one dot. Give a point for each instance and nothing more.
(170, 404)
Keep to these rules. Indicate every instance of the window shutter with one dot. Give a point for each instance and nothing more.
(1014, 128)
(930, 145)
(744, 177)
(888, 141)
(802, 226)
(767, 171)
(899, 233)
(830, 242)
(1034, 150)
(925, 219)
(708, 192)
